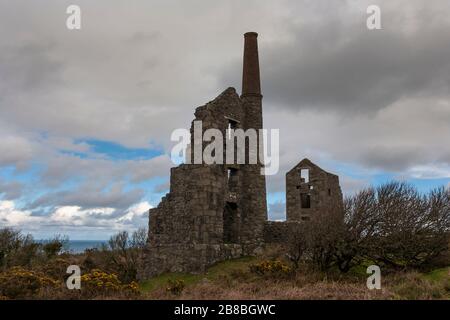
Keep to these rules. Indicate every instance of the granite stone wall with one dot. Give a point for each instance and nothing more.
(310, 190)
(279, 231)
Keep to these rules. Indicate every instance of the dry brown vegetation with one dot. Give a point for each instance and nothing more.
(238, 280)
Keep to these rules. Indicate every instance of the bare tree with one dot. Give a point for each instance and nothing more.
(317, 240)
(413, 228)
(124, 252)
(393, 224)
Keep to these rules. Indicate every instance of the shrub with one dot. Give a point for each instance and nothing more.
(175, 287)
(98, 283)
(57, 268)
(272, 268)
(54, 247)
(123, 253)
(16, 249)
(316, 241)
(397, 226)
(19, 283)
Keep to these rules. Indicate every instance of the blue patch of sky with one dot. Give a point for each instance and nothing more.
(27, 178)
(425, 185)
(274, 197)
(81, 155)
(116, 151)
(150, 195)
(350, 170)
(10, 173)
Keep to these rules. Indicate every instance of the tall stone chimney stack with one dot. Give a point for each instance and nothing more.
(251, 83)
(254, 208)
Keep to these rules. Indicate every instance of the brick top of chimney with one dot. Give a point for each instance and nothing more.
(251, 84)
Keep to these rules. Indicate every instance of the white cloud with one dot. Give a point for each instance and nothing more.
(75, 216)
(135, 213)
(73, 219)
(430, 171)
(12, 217)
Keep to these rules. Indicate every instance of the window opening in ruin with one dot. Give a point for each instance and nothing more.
(305, 200)
(232, 125)
(305, 218)
(311, 187)
(230, 223)
(329, 192)
(232, 179)
(304, 175)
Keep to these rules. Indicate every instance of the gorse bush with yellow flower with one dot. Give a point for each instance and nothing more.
(38, 270)
(175, 286)
(272, 268)
(98, 283)
(20, 283)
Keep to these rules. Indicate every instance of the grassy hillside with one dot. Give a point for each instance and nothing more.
(235, 279)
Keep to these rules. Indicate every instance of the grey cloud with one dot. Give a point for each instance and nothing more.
(162, 188)
(392, 158)
(336, 64)
(88, 197)
(361, 77)
(143, 170)
(11, 190)
(351, 185)
(28, 68)
(408, 134)
(62, 167)
(15, 151)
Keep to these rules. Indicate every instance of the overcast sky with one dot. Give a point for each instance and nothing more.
(86, 115)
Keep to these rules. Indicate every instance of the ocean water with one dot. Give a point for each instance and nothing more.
(78, 246)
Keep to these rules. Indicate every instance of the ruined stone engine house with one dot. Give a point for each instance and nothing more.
(218, 211)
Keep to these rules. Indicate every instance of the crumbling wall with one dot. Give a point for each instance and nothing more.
(192, 211)
(220, 113)
(189, 258)
(213, 211)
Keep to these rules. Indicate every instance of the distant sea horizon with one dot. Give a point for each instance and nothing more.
(79, 246)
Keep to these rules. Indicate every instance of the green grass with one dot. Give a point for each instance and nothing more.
(161, 280)
(438, 275)
(214, 272)
(360, 269)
